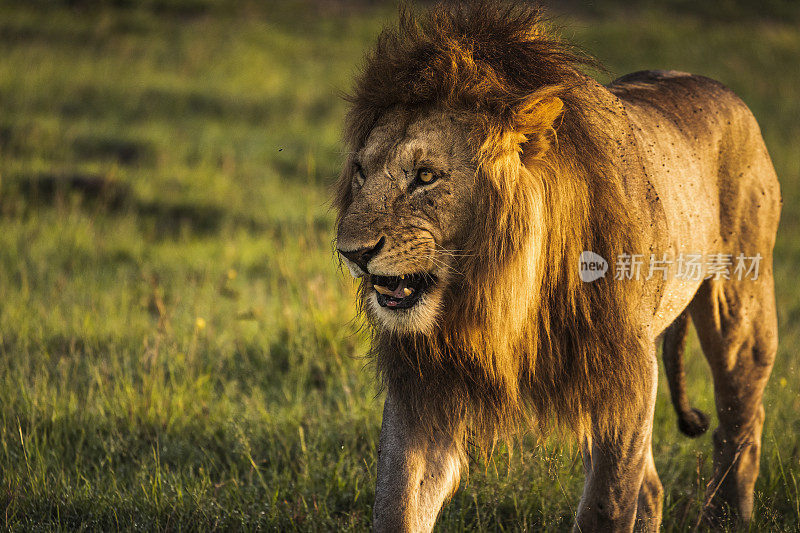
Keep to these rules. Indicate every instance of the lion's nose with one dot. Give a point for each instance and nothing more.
(362, 256)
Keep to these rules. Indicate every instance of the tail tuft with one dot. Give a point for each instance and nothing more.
(693, 422)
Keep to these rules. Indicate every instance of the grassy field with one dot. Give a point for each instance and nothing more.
(177, 350)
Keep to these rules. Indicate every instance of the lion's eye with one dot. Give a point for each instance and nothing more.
(425, 176)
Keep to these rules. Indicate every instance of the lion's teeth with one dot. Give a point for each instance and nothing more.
(407, 291)
(382, 290)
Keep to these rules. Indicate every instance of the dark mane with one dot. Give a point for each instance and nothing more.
(484, 56)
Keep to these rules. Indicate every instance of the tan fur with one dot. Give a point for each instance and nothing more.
(537, 163)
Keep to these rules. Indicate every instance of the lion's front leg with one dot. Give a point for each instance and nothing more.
(418, 469)
(622, 490)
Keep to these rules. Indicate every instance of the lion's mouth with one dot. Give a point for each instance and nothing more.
(401, 292)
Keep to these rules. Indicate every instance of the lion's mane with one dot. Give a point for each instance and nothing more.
(519, 333)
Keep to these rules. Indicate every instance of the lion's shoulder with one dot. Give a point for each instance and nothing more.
(647, 77)
(661, 87)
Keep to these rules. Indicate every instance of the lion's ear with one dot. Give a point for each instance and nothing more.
(537, 122)
(527, 136)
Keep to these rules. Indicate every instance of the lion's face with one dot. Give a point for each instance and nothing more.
(411, 203)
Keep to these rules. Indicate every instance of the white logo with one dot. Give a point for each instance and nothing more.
(591, 266)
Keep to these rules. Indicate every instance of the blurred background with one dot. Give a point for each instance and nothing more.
(177, 346)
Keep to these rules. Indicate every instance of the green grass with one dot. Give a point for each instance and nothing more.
(177, 350)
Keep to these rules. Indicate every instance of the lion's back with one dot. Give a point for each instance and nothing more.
(699, 107)
(696, 132)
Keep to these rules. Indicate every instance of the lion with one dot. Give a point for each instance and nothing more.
(482, 163)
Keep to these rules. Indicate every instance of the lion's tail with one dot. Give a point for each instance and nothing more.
(691, 421)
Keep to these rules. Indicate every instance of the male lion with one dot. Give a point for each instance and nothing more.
(482, 164)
